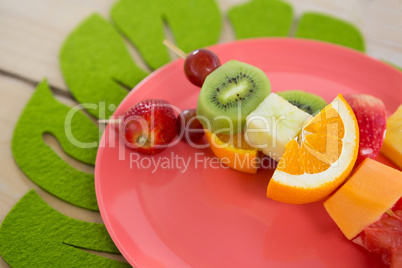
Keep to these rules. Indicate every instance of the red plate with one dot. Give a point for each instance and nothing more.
(167, 214)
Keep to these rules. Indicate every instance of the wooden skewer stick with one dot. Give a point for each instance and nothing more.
(389, 212)
(112, 121)
(174, 48)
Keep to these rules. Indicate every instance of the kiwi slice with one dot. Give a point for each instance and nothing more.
(229, 94)
(308, 102)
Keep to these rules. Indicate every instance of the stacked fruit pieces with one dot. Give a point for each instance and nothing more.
(279, 118)
(365, 211)
(315, 154)
(227, 96)
(273, 124)
(315, 144)
(368, 207)
(238, 113)
(322, 157)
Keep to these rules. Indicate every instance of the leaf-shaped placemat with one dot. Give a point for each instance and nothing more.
(35, 235)
(274, 18)
(44, 114)
(96, 63)
(261, 18)
(330, 29)
(194, 24)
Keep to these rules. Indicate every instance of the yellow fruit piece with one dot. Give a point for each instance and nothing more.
(320, 159)
(234, 152)
(365, 197)
(392, 146)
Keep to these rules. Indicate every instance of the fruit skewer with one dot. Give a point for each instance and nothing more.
(367, 209)
(352, 220)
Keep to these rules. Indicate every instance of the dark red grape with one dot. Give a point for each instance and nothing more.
(188, 126)
(199, 64)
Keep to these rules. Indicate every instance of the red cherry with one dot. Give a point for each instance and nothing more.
(199, 64)
(188, 126)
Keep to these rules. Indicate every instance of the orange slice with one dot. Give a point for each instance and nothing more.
(365, 197)
(320, 159)
(234, 152)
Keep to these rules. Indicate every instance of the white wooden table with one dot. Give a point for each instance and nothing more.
(31, 33)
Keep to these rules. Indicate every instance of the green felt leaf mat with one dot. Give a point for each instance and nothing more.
(268, 18)
(261, 18)
(44, 114)
(35, 235)
(330, 29)
(194, 24)
(96, 66)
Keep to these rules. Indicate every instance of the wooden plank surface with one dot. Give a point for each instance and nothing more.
(31, 33)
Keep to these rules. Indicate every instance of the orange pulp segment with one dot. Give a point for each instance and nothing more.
(320, 159)
(234, 152)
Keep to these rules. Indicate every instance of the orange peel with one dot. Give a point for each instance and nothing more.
(320, 159)
(234, 152)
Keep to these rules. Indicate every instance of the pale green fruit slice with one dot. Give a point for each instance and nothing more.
(273, 124)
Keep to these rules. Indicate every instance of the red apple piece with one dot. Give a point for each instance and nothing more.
(372, 120)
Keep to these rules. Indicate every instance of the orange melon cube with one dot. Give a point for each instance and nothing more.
(370, 191)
